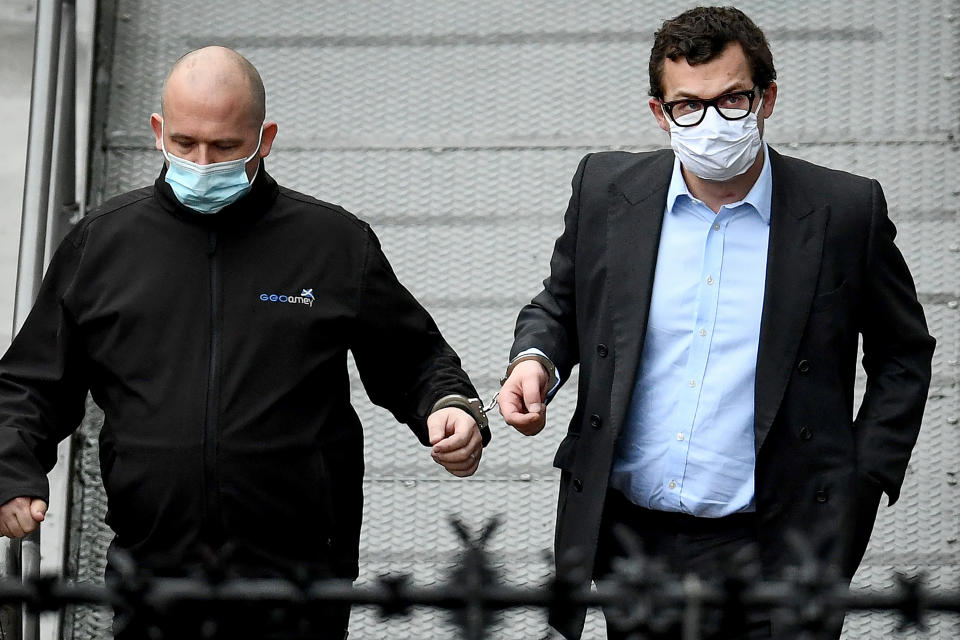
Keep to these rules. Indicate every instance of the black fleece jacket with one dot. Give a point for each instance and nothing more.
(216, 346)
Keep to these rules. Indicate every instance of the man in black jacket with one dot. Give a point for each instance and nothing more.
(210, 316)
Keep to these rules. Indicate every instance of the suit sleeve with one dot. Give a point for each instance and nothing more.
(42, 384)
(897, 355)
(549, 321)
(404, 362)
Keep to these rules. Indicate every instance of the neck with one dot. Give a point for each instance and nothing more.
(715, 193)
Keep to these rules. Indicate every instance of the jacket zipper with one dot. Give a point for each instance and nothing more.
(211, 482)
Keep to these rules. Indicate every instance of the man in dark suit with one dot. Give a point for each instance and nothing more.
(713, 298)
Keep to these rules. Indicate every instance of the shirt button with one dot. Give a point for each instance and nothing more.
(692, 384)
(680, 437)
(805, 433)
(716, 227)
(703, 333)
(672, 485)
(803, 366)
(709, 279)
(602, 350)
(595, 421)
(822, 496)
(577, 485)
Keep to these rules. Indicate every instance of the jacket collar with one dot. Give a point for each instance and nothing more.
(643, 179)
(633, 238)
(797, 231)
(244, 211)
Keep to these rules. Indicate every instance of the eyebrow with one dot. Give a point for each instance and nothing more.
(184, 138)
(736, 86)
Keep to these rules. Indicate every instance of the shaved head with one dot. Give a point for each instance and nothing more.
(212, 110)
(218, 70)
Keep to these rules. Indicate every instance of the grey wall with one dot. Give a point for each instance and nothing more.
(454, 127)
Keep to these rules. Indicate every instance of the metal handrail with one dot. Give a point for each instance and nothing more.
(49, 195)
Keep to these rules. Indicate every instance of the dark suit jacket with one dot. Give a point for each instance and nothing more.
(833, 274)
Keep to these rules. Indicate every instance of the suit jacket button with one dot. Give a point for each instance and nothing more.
(805, 433)
(822, 496)
(602, 350)
(595, 421)
(577, 485)
(803, 366)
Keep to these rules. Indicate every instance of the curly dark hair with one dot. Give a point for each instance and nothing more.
(701, 34)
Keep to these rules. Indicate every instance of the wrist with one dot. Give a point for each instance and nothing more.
(545, 362)
(471, 406)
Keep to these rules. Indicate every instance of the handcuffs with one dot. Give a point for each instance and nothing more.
(475, 407)
(543, 360)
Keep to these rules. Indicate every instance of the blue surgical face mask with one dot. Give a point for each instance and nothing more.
(207, 188)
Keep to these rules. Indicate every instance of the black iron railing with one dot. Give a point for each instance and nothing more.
(641, 595)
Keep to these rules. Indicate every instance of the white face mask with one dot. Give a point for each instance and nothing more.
(717, 148)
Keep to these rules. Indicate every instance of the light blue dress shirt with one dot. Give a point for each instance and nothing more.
(687, 443)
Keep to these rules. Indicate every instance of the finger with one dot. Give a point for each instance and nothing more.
(25, 521)
(462, 471)
(532, 394)
(510, 402)
(525, 420)
(527, 423)
(38, 509)
(460, 459)
(463, 429)
(532, 424)
(466, 465)
(11, 526)
(9, 516)
(436, 426)
(472, 447)
(460, 456)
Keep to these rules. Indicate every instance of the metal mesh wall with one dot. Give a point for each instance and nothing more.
(454, 127)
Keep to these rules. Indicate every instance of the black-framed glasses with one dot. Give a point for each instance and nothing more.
(689, 112)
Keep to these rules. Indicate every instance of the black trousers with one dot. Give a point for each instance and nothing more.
(712, 548)
(245, 622)
(196, 620)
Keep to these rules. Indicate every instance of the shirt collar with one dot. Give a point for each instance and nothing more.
(758, 197)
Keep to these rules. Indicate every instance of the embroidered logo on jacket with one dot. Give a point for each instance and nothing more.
(305, 297)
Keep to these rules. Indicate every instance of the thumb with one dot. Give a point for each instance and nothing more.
(532, 394)
(38, 509)
(437, 426)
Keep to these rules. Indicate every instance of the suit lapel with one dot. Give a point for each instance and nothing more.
(793, 262)
(633, 237)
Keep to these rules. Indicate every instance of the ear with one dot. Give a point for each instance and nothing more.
(156, 123)
(769, 100)
(266, 141)
(659, 114)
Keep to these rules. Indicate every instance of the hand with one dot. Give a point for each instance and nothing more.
(456, 441)
(21, 516)
(522, 398)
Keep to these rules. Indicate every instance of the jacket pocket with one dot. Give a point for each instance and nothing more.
(830, 298)
(566, 452)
